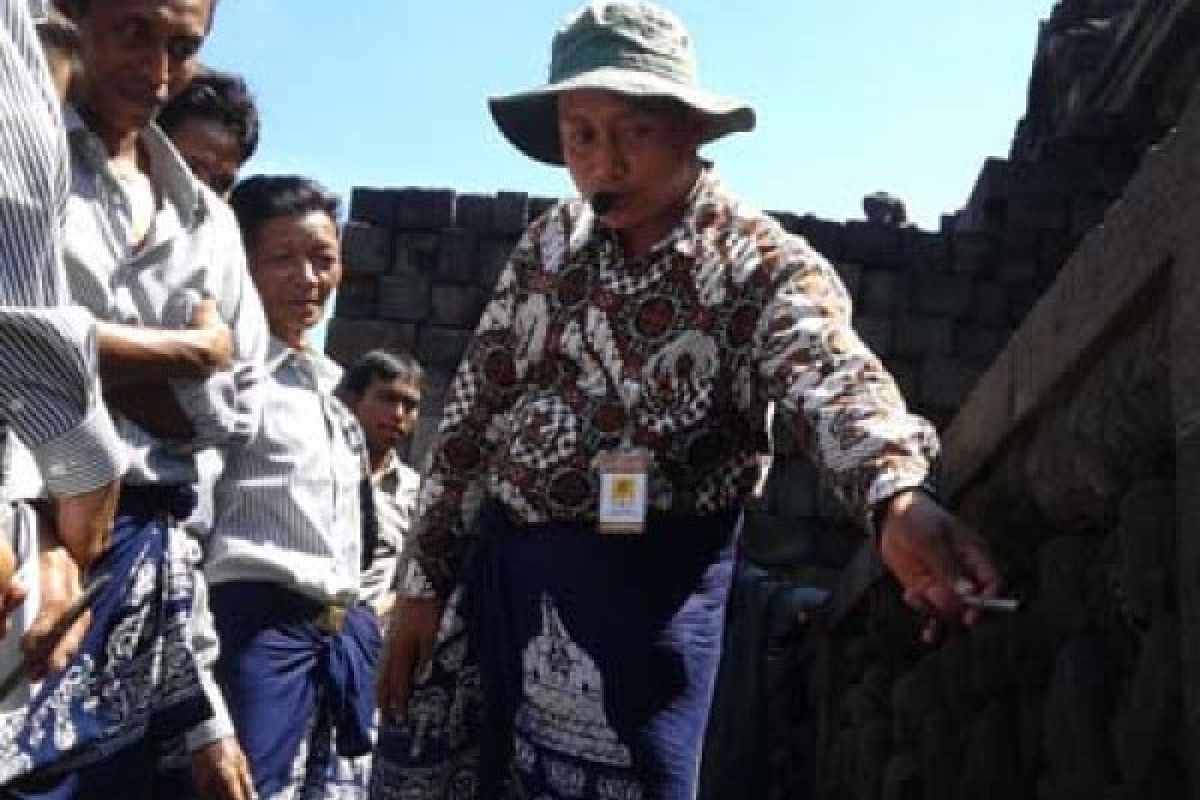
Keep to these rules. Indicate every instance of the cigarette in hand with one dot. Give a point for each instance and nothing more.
(1008, 604)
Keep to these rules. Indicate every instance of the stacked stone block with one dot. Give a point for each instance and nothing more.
(420, 265)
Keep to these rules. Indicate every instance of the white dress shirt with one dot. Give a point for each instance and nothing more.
(287, 504)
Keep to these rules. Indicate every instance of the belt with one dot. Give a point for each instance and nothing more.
(332, 617)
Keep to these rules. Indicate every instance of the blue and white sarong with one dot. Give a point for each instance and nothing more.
(569, 664)
(133, 681)
(302, 700)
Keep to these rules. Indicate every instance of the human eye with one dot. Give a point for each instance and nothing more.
(579, 136)
(183, 48)
(133, 32)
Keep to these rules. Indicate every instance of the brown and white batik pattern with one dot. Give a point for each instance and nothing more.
(683, 348)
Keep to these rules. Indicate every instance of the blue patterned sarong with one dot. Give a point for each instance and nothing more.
(135, 678)
(569, 664)
(302, 700)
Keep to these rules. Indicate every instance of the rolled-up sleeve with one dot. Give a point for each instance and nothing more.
(226, 409)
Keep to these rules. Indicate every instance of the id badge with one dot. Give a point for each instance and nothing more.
(624, 491)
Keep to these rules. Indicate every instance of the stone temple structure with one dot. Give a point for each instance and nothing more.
(1051, 328)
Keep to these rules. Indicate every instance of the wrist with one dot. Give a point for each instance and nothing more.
(898, 503)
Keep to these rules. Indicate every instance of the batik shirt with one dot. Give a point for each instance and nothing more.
(681, 350)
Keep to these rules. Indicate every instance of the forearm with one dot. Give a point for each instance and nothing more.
(135, 355)
(154, 408)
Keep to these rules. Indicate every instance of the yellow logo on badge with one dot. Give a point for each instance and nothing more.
(624, 490)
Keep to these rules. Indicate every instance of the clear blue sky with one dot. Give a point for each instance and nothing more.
(853, 96)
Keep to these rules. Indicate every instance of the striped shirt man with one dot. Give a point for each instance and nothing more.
(50, 396)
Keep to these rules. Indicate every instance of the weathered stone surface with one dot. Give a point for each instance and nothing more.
(456, 258)
(424, 209)
(493, 256)
(442, 347)
(1016, 271)
(373, 206)
(473, 212)
(456, 306)
(1145, 541)
(415, 254)
(366, 249)
(991, 304)
(872, 245)
(1146, 724)
(883, 291)
(945, 382)
(943, 295)
(827, 238)
(975, 253)
(348, 338)
(1077, 701)
(852, 276)
(924, 336)
(358, 297)
(926, 252)
(404, 297)
(510, 213)
(877, 332)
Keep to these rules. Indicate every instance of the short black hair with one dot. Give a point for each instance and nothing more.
(220, 97)
(60, 33)
(76, 8)
(260, 198)
(378, 365)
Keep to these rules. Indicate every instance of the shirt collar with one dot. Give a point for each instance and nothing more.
(280, 355)
(683, 238)
(170, 172)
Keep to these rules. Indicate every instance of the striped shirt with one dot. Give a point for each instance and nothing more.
(50, 395)
(192, 249)
(287, 504)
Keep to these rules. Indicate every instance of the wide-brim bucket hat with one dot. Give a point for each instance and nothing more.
(632, 48)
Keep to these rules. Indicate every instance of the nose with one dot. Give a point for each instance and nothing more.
(610, 158)
(309, 275)
(156, 67)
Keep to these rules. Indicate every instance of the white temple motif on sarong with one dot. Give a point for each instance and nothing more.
(563, 706)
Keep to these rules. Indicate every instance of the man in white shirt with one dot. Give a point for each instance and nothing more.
(383, 390)
(298, 647)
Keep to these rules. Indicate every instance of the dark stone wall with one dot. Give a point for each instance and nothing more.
(1072, 456)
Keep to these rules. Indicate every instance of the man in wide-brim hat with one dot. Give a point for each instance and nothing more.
(612, 404)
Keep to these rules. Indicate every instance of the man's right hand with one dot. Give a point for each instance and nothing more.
(216, 339)
(60, 585)
(411, 635)
(135, 355)
(83, 523)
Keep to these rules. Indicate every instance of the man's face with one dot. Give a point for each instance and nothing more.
(295, 264)
(137, 54)
(645, 158)
(387, 411)
(211, 150)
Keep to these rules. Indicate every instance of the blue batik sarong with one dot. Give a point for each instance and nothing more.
(302, 700)
(569, 664)
(134, 679)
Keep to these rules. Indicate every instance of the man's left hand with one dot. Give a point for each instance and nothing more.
(936, 558)
(220, 771)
